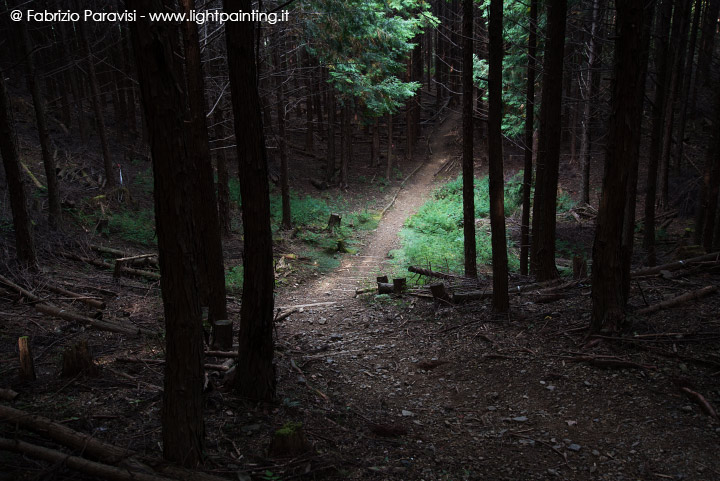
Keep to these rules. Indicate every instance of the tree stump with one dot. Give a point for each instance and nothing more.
(27, 364)
(399, 285)
(289, 441)
(333, 222)
(438, 291)
(77, 359)
(222, 335)
(383, 279)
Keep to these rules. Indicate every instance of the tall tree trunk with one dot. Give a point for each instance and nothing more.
(677, 46)
(413, 104)
(662, 34)
(308, 103)
(330, 161)
(97, 108)
(687, 84)
(24, 242)
(55, 214)
(501, 300)
(388, 170)
(223, 182)
(713, 166)
(174, 177)
(588, 94)
(282, 145)
(609, 266)
(211, 268)
(542, 255)
(707, 45)
(375, 143)
(468, 161)
(529, 130)
(255, 376)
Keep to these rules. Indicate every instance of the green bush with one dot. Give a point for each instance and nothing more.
(234, 279)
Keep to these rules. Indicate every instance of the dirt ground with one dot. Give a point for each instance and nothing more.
(403, 387)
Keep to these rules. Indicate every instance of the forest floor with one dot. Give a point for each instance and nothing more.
(403, 387)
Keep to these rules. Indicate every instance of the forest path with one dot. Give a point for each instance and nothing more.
(360, 270)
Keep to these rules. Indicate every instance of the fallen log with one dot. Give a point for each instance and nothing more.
(688, 296)
(363, 290)
(429, 273)
(673, 266)
(77, 463)
(106, 265)
(385, 288)
(97, 304)
(8, 394)
(108, 250)
(462, 297)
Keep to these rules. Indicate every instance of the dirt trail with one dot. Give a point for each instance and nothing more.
(356, 270)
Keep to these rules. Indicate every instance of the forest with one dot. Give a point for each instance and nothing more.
(359, 239)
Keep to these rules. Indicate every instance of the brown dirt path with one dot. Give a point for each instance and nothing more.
(358, 270)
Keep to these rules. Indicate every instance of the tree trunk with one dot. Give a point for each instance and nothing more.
(687, 84)
(24, 242)
(97, 108)
(388, 170)
(308, 104)
(413, 105)
(255, 377)
(529, 130)
(468, 167)
(707, 43)
(282, 145)
(223, 182)
(588, 94)
(330, 161)
(542, 255)
(211, 268)
(501, 300)
(375, 144)
(661, 47)
(55, 214)
(713, 166)
(608, 269)
(175, 180)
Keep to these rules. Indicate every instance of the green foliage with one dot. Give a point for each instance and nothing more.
(565, 202)
(133, 226)
(364, 44)
(234, 279)
(144, 180)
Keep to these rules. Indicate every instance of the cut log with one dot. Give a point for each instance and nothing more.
(108, 250)
(27, 364)
(462, 297)
(429, 273)
(385, 288)
(7, 394)
(99, 450)
(688, 296)
(399, 285)
(383, 279)
(23, 292)
(77, 359)
(222, 335)
(715, 256)
(438, 291)
(363, 290)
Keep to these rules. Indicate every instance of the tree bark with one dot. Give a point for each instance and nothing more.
(468, 167)
(529, 130)
(661, 46)
(608, 269)
(282, 145)
(255, 377)
(208, 244)
(55, 214)
(501, 300)
(542, 255)
(223, 182)
(175, 180)
(24, 241)
(330, 161)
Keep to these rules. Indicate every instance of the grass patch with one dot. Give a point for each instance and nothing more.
(133, 226)
(234, 279)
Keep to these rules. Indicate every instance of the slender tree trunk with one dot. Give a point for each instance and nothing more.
(542, 255)
(713, 165)
(280, 104)
(330, 165)
(97, 107)
(24, 242)
(255, 376)
(375, 144)
(308, 104)
(501, 300)
(211, 268)
(468, 161)
(610, 266)
(223, 182)
(388, 170)
(662, 34)
(413, 104)
(55, 214)
(687, 84)
(529, 130)
(707, 43)
(174, 177)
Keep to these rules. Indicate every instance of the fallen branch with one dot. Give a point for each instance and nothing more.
(135, 360)
(97, 304)
(429, 273)
(97, 449)
(688, 296)
(700, 400)
(673, 266)
(77, 463)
